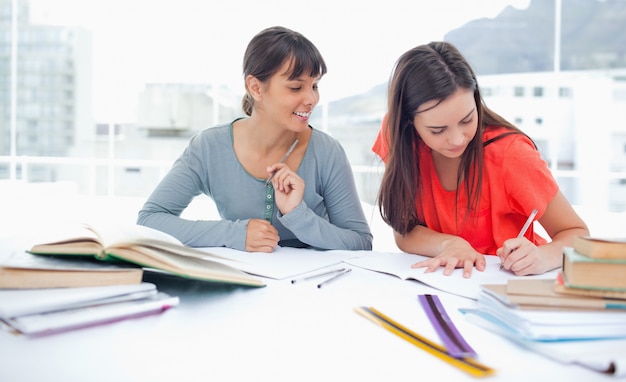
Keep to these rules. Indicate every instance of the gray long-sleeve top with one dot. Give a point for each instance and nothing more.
(329, 217)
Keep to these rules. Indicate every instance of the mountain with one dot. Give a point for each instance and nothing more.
(593, 36)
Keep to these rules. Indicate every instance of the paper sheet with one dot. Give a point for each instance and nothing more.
(399, 264)
(284, 262)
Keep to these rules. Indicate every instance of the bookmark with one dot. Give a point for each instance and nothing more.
(468, 365)
(448, 333)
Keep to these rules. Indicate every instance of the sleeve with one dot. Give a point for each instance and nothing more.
(381, 146)
(185, 180)
(345, 227)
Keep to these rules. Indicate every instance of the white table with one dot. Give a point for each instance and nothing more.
(282, 332)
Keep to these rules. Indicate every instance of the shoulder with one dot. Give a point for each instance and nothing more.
(218, 131)
(215, 136)
(503, 143)
(323, 144)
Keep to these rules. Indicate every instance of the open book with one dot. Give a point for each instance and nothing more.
(399, 265)
(144, 247)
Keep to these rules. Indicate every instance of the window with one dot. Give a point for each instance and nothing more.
(84, 66)
(565, 92)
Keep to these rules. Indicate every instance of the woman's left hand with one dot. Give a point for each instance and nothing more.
(456, 253)
(288, 187)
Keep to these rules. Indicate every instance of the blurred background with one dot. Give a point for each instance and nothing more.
(98, 98)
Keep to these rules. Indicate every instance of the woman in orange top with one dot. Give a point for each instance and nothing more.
(460, 181)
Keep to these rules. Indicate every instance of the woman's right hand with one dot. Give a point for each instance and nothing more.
(261, 236)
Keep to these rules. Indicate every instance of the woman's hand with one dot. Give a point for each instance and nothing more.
(522, 257)
(288, 187)
(261, 236)
(455, 253)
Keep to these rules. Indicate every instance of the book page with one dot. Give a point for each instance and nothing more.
(284, 262)
(601, 355)
(399, 264)
(53, 322)
(29, 301)
(133, 233)
(65, 237)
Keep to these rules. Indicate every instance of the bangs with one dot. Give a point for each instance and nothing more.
(305, 59)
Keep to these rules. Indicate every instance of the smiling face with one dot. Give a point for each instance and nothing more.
(289, 102)
(447, 127)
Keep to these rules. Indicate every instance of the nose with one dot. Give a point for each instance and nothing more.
(311, 97)
(456, 136)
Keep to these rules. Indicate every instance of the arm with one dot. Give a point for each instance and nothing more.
(187, 179)
(562, 223)
(331, 215)
(163, 208)
(448, 251)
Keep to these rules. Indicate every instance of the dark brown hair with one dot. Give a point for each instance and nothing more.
(425, 73)
(270, 49)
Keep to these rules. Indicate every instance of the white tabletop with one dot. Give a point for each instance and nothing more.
(282, 332)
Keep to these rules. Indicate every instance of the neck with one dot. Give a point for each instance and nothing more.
(263, 137)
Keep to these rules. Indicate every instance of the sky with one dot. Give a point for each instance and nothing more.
(202, 41)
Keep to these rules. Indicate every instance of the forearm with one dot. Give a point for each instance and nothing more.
(200, 233)
(553, 251)
(318, 232)
(424, 241)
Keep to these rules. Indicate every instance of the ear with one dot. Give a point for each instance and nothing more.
(254, 87)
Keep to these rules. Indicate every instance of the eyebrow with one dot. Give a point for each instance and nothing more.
(301, 79)
(462, 119)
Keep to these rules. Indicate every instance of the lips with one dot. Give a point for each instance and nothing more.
(457, 150)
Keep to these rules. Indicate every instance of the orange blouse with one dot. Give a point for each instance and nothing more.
(515, 181)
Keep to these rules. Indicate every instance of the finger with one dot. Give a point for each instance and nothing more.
(433, 265)
(449, 268)
(468, 265)
(420, 264)
(522, 265)
(266, 249)
(480, 263)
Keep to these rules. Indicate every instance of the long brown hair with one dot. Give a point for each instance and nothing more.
(270, 49)
(425, 73)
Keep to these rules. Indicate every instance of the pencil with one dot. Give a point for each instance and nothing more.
(522, 232)
(334, 278)
(318, 275)
(293, 145)
(466, 364)
(532, 215)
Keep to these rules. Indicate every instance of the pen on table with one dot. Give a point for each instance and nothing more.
(332, 272)
(293, 145)
(522, 232)
(334, 278)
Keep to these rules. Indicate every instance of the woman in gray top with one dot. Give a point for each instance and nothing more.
(311, 199)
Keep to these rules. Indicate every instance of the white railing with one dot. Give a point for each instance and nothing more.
(97, 168)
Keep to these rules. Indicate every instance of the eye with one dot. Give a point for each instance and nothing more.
(467, 121)
(295, 89)
(437, 131)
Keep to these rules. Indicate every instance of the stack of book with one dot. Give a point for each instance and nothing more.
(573, 318)
(44, 311)
(78, 276)
(594, 267)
